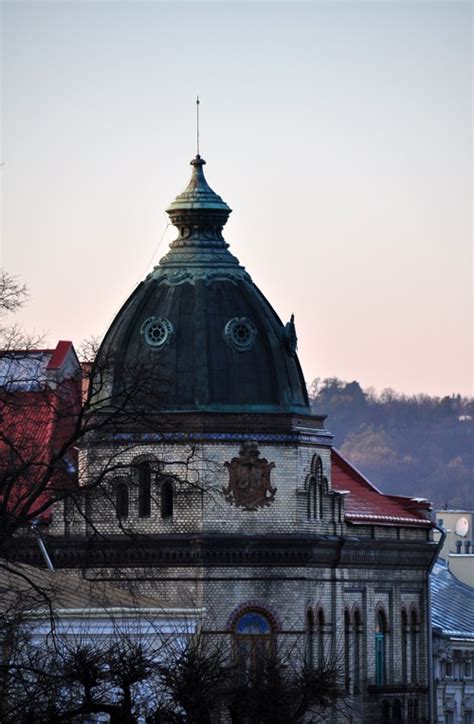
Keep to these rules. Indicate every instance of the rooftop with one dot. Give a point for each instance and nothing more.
(452, 611)
(365, 504)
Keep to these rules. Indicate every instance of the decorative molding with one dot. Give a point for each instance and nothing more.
(201, 549)
(321, 439)
(254, 605)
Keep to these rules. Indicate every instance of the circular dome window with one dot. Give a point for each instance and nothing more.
(240, 333)
(157, 331)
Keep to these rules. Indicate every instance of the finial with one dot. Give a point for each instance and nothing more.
(197, 126)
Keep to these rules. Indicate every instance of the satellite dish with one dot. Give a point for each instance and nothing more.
(462, 527)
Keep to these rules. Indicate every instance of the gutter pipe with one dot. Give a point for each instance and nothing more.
(431, 702)
(42, 547)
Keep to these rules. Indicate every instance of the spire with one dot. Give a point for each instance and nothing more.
(198, 212)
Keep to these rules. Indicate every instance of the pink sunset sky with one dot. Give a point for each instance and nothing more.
(339, 133)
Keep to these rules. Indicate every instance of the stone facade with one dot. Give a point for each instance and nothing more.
(219, 490)
(286, 559)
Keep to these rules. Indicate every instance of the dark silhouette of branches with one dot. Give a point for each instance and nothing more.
(166, 682)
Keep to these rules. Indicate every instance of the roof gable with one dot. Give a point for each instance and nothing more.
(365, 504)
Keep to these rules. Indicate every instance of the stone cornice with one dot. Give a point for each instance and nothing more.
(265, 428)
(197, 550)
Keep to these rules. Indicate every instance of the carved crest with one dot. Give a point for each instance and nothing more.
(249, 479)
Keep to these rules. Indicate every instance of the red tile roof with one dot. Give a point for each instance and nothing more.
(364, 504)
(33, 427)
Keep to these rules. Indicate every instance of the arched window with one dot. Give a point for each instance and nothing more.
(121, 500)
(385, 711)
(320, 622)
(144, 489)
(312, 498)
(320, 486)
(413, 711)
(315, 487)
(404, 632)
(309, 647)
(414, 646)
(380, 632)
(166, 499)
(357, 651)
(397, 710)
(347, 650)
(253, 641)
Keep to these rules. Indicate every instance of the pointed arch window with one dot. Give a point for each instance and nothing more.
(414, 628)
(309, 652)
(166, 499)
(144, 489)
(380, 644)
(347, 650)
(397, 711)
(404, 632)
(320, 635)
(357, 651)
(315, 488)
(384, 711)
(121, 500)
(320, 486)
(312, 498)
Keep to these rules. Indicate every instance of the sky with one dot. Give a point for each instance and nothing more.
(340, 133)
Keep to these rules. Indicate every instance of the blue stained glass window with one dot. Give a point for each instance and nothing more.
(253, 623)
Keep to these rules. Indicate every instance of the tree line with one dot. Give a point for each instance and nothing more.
(405, 444)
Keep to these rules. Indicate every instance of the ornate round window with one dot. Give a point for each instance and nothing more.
(157, 331)
(240, 333)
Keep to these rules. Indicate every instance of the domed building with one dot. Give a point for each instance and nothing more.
(224, 490)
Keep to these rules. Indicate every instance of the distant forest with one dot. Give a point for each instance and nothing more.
(419, 446)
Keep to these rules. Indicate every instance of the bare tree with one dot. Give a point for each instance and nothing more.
(13, 294)
(47, 421)
(126, 678)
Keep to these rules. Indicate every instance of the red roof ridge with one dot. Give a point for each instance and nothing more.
(59, 354)
(369, 503)
(350, 468)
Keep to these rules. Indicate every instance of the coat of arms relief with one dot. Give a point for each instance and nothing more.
(249, 479)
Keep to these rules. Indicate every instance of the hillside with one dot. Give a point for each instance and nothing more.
(419, 445)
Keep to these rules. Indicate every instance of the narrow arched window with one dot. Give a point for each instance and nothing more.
(312, 499)
(320, 486)
(380, 631)
(404, 632)
(385, 711)
(397, 710)
(414, 646)
(347, 650)
(309, 653)
(320, 621)
(144, 489)
(357, 650)
(315, 489)
(121, 500)
(166, 499)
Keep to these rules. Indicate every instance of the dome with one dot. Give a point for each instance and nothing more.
(197, 329)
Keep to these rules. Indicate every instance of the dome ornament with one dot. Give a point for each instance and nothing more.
(240, 333)
(157, 332)
(197, 127)
(290, 337)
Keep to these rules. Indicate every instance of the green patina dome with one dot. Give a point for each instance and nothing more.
(206, 336)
